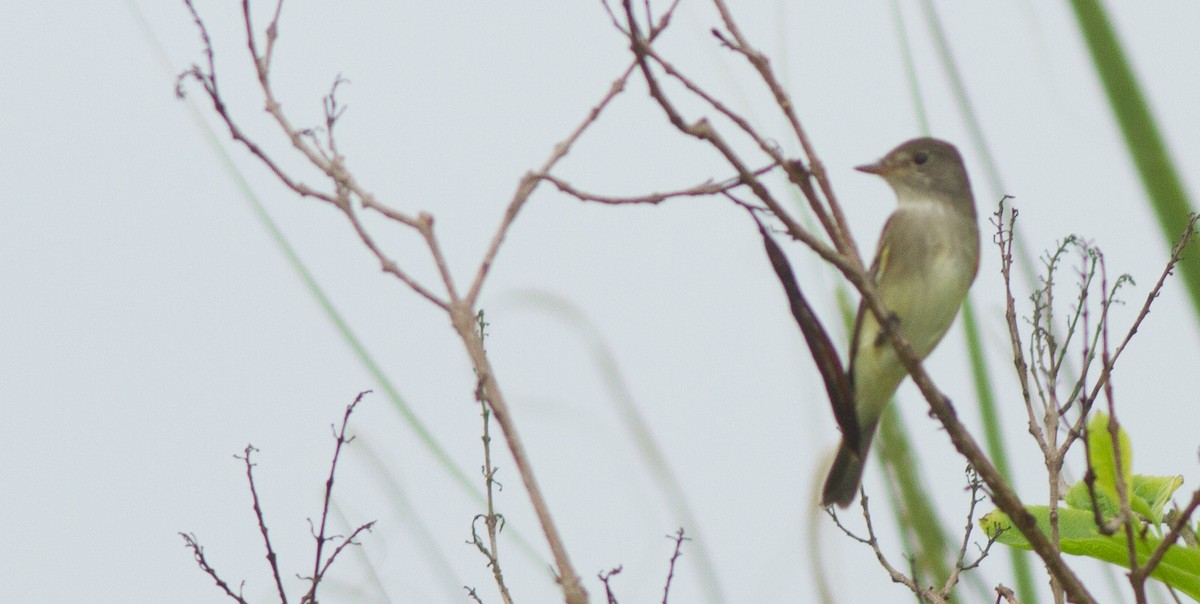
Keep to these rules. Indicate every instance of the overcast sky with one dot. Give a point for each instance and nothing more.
(151, 328)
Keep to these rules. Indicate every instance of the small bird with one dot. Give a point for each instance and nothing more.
(926, 260)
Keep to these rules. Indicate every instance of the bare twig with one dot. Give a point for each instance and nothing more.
(1189, 232)
(330, 163)
(1099, 342)
(1126, 517)
(1004, 239)
(922, 593)
(272, 558)
(925, 594)
(1177, 529)
(493, 521)
(346, 191)
(321, 565)
(198, 552)
(530, 181)
(1006, 594)
(960, 564)
(700, 190)
(605, 577)
(464, 325)
(843, 239)
(679, 539)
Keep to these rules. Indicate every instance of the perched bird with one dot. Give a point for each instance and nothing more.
(926, 259)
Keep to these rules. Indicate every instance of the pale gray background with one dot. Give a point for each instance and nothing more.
(150, 328)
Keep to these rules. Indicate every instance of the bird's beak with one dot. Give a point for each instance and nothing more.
(880, 168)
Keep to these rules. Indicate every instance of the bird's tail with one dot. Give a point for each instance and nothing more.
(846, 474)
(844, 477)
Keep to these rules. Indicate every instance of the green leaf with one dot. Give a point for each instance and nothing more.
(1079, 498)
(1079, 536)
(1147, 494)
(1156, 491)
(1103, 459)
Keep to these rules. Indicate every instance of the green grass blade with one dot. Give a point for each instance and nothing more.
(1143, 140)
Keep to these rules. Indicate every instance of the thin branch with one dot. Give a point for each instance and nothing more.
(873, 542)
(352, 539)
(493, 521)
(704, 131)
(272, 559)
(843, 239)
(1127, 518)
(605, 577)
(1185, 238)
(198, 552)
(1177, 528)
(332, 164)
(1004, 240)
(1006, 594)
(679, 539)
(795, 170)
(207, 78)
(530, 181)
(389, 266)
(975, 487)
(703, 189)
(464, 324)
(320, 564)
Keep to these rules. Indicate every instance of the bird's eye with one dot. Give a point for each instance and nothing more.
(920, 158)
